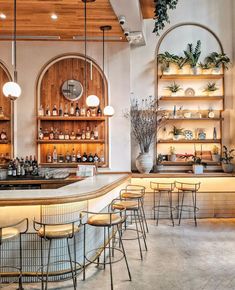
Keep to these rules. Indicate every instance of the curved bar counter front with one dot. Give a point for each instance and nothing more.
(56, 206)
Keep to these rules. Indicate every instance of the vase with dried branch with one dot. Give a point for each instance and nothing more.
(146, 120)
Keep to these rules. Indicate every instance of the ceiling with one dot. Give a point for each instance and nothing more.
(34, 19)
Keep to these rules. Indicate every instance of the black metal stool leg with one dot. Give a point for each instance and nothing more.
(48, 263)
(159, 204)
(138, 235)
(194, 207)
(154, 205)
(144, 216)
(75, 258)
(21, 266)
(84, 252)
(142, 230)
(71, 264)
(104, 248)
(42, 271)
(124, 252)
(181, 207)
(170, 203)
(110, 260)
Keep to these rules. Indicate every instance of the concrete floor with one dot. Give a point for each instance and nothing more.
(179, 258)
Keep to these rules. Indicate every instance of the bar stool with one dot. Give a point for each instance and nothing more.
(8, 233)
(136, 192)
(183, 189)
(161, 189)
(108, 220)
(134, 207)
(52, 232)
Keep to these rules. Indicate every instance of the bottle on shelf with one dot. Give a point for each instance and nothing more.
(41, 111)
(79, 157)
(99, 112)
(79, 135)
(54, 111)
(51, 134)
(1, 113)
(26, 164)
(46, 134)
(56, 134)
(90, 158)
(88, 112)
(88, 133)
(54, 156)
(96, 158)
(61, 136)
(83, 111)
(72, 136)
(73, 156)
(3, 135)
(77, 110)
(60, 158)
(22, 167)
(92, 135)
(14, 170)
(61, 110)
(93, 113)
(66, 135)
(84, 157)
(101, 156)
(67, 157)
(48, 111)
(96, 133)
(66, 111)
(49, 157)
(72, 110)
(214, 133)
(40, 134)
(10, 169)
(83, 134)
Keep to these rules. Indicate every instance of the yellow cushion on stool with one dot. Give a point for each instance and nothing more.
(132, 195)
(57, 231)
(9, 233)
(125, 204)
(102, 220)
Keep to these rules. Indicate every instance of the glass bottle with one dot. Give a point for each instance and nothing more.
(96, 158)
(61, 158)
(40, 134)
(102, 156)
(93, 113)
(79, 157)
(73, 157)
(51, 134)
(66, 111)
(54, 157)
(99, 112)
(61, 136)
(48, 111)
(88, 133)
(83, 134)
(96, 133)
(56, 134)
(68, 157)
(90, 158)
(54, 111)
(72, 136)
(88, 112)
(92, 135)
(83, 111)
(72, 110)
(61, 110)
(66, 135)
(41, 111)
(1, 112)
(84, 157)
(79, 135)
(77, 110)
(49, 157)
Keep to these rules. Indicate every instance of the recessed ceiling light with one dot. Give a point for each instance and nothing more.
(54, 16)
(2, 16)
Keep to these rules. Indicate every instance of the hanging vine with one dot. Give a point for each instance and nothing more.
(161, 17)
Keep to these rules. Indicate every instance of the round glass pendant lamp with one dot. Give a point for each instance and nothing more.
(109, 111)
(11, 90)
(92, 101)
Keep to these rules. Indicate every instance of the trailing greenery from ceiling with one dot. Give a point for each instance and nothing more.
(161, 15)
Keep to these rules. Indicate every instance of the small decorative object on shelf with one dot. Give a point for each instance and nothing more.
(201, 134)
(177, 132)
(198, 165)
(3, 135)
(193, 55)
(211, 114)
(215, 154)
(174, 88)
(188, 135)
(214, 133)
(227, 157)
(172, 155)
(189, 92)
(210, 88)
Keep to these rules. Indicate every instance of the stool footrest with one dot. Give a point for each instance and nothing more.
(187, 208)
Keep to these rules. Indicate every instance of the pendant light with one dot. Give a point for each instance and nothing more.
(108, 110)
(92, 101)
(12, 90)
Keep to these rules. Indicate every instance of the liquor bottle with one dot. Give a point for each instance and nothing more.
(66, 111)
(96, 133)
(26, 165)
(49, 157)
(1, 112)
(10, 169)
(40, 134)
(83, 134)
(48, 112)
(66, 135)
(215, 134)
(72, 136)
(88, 133)
(54, 156)
(35, 166)
(72, 110)
(83, 111)
(54, 111)
(73, 157)
(102, 156)
(22, 168)
(67, 157)
(93, 113)
(61, 136)
(61, 110)
(79, 157)
(84, 157)
(41, 111)
(77, 110)
(46, 135)
(30, 164)
(51, 134)
(61, 158)
(92, 135)
(90, 158)
(96, 158)
(14, 172)
(79, 135)
(88, 112)
(3, 135)
(56, 134)
(18, 169)
(99, 112)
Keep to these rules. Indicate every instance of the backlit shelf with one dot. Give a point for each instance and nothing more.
(191, 76)
(70, 118)
(183, 141)
(98, 141)
(191, 98)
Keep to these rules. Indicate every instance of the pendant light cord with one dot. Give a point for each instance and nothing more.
(85, 30)
(14, 43)
(103, 65)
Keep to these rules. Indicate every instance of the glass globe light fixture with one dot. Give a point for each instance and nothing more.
(109, 111)
(92, 101)
(11, 90)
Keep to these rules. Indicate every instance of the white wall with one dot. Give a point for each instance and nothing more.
(33, 55)
(216, 15)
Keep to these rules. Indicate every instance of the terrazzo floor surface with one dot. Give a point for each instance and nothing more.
(179, 258)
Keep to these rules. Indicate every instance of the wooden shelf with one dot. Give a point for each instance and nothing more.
(191, 98)
(70, 118)
(5, 142)
(178, 163)
(4, 119)
(191, 76)
(69, 165)
(182, 141)
(99, 141)
(195, 119)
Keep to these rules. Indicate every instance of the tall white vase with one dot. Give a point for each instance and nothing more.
(144, 162)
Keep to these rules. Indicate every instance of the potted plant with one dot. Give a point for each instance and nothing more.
(217, 60)
(174, 88)
(177, 132)
(146, 119)
(226, 159)
(159, 165)
(165, 59)
(198, 165)
(210, 88)
(215, 154)
(172, 155)
(205, 67)
(181, 62)
(193, 55)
